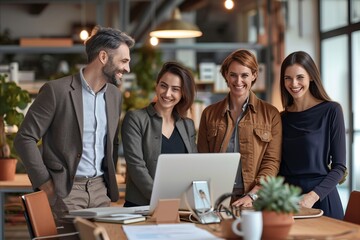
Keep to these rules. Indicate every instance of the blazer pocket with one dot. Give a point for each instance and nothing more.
(263, 134)
(55, 167)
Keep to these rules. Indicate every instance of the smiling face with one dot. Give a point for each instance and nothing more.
(239, 79)
(117, 64)
(168, 91)
(297, 82)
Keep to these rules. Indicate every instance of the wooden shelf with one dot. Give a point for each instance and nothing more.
(16, 49)
(32, 87)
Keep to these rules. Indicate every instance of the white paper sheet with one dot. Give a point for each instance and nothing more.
(179, 231)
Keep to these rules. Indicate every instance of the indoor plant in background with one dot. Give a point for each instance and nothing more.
(278, 201)
(13, 99)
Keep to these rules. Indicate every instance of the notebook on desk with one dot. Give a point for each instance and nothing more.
(108, 211)
(175, 174)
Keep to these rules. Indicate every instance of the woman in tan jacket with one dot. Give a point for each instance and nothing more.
(243, 123)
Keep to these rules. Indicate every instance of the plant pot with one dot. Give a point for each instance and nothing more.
(7, 169)
(276, 225)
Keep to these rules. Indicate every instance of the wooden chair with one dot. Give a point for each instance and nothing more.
(39, 218)
(89, 231)
(352, 213)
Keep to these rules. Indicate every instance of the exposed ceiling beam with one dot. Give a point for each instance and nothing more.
(193, 5)
(162, 13)
(143, 20)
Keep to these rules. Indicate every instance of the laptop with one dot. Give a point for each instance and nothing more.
(175, 174)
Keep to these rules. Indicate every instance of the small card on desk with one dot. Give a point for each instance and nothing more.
(122, 218)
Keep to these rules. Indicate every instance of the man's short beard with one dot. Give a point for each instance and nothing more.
(116, 82)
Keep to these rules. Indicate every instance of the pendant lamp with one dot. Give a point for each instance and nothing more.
(176, 28)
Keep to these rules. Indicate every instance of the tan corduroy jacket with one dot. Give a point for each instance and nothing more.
(259, 134)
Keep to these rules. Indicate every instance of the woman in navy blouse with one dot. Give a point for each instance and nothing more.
(313, 149)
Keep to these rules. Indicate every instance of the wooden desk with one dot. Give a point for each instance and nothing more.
(310, 228)
(324, 227)
(22, 184)
(19, 185)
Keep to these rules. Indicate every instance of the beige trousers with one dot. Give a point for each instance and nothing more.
(85, 193)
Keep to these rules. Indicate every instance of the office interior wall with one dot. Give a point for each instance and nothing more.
(302, 28)
(56, 20)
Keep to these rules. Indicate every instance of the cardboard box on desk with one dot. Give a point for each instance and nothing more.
(166, 211)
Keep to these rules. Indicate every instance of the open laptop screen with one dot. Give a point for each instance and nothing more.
(175, 174)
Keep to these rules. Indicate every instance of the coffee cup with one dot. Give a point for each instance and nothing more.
(249, 225)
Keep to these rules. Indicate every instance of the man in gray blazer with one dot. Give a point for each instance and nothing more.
(77, 118)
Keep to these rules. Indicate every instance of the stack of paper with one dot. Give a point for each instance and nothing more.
(179, 231)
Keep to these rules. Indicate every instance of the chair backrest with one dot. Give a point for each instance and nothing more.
(38, 214)
(89, 231)
(352, 213)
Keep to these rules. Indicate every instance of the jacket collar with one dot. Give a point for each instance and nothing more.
(252, 103)
(152, 111)
(76, 81)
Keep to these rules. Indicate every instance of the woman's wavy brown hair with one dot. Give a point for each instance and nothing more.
(187, 85)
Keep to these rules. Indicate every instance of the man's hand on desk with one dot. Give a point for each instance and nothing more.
(245, 201)
(248, 199)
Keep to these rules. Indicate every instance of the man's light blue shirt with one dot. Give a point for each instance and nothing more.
(94, 132)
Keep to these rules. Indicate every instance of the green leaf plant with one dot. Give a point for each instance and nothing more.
(13, 99)
(275, 195)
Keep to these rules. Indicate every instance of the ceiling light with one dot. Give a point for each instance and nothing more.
(229, 4)
(154, 41)
(84, 34)
(176, 28)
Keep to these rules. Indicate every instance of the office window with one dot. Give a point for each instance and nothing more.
(356, 77)
(335, 76)
(334, 14)
(338, 25)
(356, 104)
(355, 11)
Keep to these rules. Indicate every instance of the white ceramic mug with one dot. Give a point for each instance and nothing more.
(251, 225)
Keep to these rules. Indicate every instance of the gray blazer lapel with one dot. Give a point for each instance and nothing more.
(76, 96)
(111, 114)
(184, 134)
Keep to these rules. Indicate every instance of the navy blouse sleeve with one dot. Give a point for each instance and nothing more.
(337, 152)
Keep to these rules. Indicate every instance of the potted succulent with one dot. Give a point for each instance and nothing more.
(278, 201)
(12, 100)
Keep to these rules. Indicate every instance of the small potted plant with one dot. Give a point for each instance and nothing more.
(12, 100)
(278, 201)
